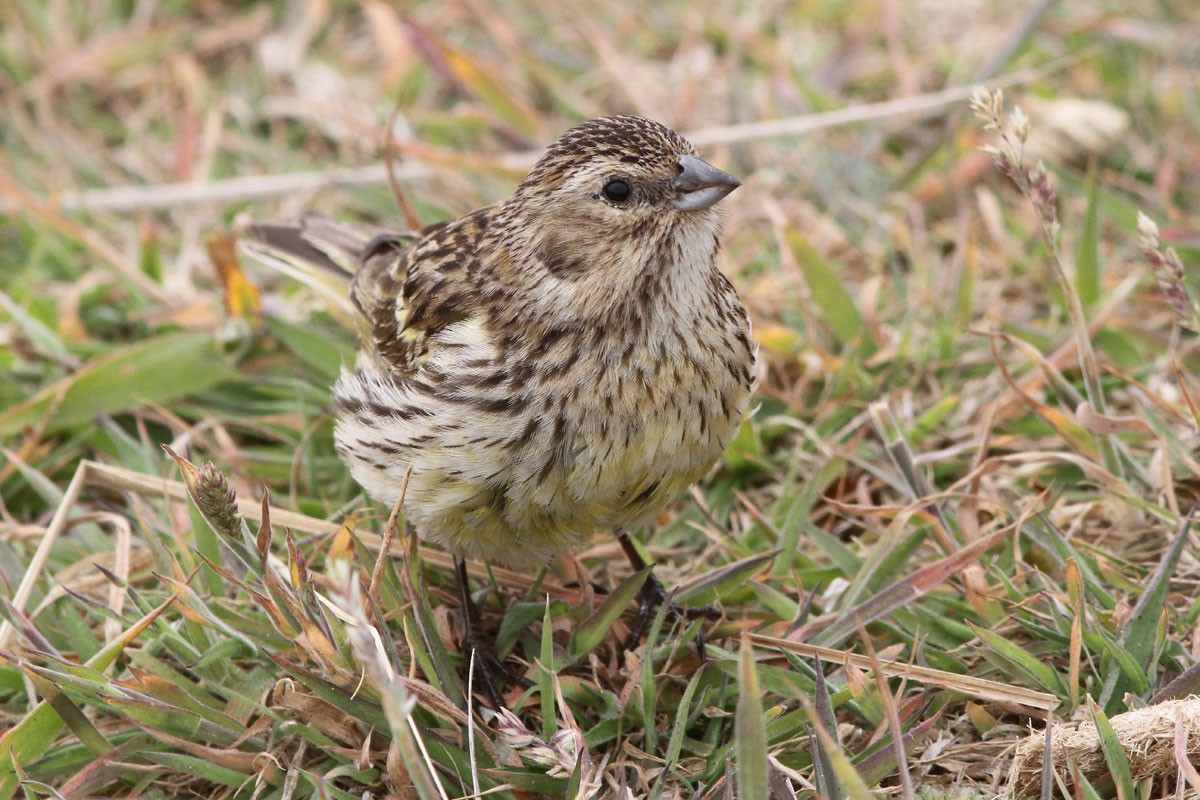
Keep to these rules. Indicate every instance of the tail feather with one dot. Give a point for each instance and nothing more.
(317, 251)
(289, 241)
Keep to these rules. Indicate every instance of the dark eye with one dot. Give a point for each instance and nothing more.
(617, 191)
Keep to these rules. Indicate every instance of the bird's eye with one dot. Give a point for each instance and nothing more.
(617, 191)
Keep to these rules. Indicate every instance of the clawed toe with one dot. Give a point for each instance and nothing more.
(487, 671)
(652, 596)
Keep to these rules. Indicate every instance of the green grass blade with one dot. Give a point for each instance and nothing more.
(828, 785)
(704, 588)
(30, 738)
(40, 335)
(201, 768)
(1141, 630)
(829, 294)
(1087, 251)
(591, 631)
(682, 716)
(1018, 662)
(1114, 755)
(546, 676)
(750, 747)
(154, 371)
(312, 346)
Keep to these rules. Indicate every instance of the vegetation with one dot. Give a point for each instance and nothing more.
(958, 515)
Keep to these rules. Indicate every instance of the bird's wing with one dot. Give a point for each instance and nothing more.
(319, 252)
(407, 294)
(402, 287)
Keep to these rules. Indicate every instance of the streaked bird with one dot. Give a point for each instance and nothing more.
(566, 361)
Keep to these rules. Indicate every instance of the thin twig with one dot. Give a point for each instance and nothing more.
(970, 685)
(252, 187)
(389, 160)
(57, 525)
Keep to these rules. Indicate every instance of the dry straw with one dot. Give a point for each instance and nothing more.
(1147, 735)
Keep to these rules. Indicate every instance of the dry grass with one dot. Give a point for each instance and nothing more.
(973, 456)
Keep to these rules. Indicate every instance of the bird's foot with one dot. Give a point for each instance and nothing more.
(652, 596)
(487, 673)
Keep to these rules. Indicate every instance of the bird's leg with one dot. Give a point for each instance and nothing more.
(652, 595)
(490, 671)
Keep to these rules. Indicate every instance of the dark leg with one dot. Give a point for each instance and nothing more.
(489, 669)
(652, 595)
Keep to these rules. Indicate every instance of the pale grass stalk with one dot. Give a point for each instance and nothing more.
(257, 187)
(980, 688)
(1168, 268)
(1037, 185)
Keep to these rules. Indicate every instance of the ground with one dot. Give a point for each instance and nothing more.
(964, 486)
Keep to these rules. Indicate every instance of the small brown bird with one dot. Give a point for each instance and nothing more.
(566, 361)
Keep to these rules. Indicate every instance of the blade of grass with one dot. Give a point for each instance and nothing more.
(30, 738)
(750, 736)
(967, 684)
(848, 778)
(1087, 250)
(1020, 663)
(682, 719)
(702, 588)
(154, 371)
(1138, 636)
(828, 785)
(1114, 754)
(907, 590)
(835, 303)
(592, 630)
(546, 676)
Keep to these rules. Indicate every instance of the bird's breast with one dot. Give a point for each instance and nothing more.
(637, 419)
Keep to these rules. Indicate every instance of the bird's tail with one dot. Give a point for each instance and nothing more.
(320, 252)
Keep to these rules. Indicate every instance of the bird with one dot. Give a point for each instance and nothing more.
(566, 361)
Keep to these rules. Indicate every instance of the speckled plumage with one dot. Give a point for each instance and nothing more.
(556, 364)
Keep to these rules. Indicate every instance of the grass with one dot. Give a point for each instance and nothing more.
(959, 511)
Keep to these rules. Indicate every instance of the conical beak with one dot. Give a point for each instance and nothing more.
(700, 185)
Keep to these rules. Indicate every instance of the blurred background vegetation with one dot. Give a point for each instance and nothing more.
(974, 449)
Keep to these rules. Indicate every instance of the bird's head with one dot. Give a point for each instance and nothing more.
(615, 198)
(631, 165)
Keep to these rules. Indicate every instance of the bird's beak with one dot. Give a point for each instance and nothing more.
(700, 185)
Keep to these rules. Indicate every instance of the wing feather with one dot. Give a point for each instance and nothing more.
(404, 287)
